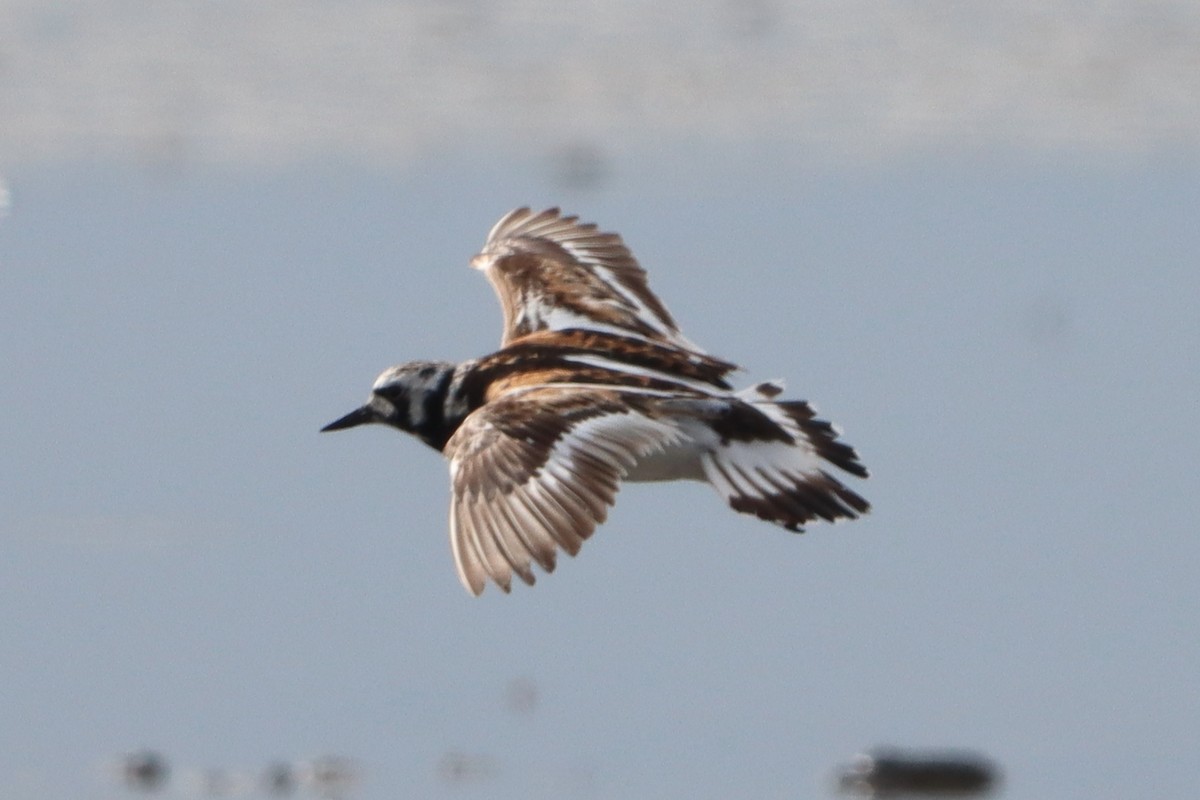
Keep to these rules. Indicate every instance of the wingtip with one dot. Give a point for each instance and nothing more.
(473, 587)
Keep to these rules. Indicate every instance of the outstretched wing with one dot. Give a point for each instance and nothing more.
(536, 471)
(553, 272)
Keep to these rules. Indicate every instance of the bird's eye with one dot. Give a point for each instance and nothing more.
(391, 392)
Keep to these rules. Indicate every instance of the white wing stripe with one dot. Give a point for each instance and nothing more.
(613, 281)
(604, 362)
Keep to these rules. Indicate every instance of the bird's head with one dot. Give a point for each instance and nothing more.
(410, 397)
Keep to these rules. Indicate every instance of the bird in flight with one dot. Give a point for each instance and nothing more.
(594, 384)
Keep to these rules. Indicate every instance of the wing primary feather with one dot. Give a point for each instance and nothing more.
(560, 521)
(466, 562)
(597, 490)
(498, 533)
(508, 534)
(587, 509)
(533, 531)
(497, 565)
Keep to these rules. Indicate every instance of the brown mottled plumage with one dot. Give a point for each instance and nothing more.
(549, 270)
(595, 384)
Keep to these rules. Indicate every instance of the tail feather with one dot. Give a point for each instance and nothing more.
(822, 435)
(775, 468)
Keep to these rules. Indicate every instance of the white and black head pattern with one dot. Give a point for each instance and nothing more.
(595, 385)
(413, 398)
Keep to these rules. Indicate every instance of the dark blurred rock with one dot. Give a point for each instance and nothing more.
(899, 773)
(280, 779)
(522, 696)
(145, 771)
(457, 768)
(581, 166)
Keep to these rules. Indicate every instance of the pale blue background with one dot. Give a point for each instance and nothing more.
(1005, 327)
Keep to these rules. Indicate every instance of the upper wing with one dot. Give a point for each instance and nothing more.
(552, 273)
(536, 470)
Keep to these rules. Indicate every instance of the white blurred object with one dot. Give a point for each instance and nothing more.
(217, 783)
(329, 776)
(853, 78)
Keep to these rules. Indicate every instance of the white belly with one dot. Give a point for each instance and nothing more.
(672, 465)
(678, 462)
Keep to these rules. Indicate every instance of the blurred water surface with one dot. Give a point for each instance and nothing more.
(392, 82)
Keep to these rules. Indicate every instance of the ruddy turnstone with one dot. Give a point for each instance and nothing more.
(594, 384)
